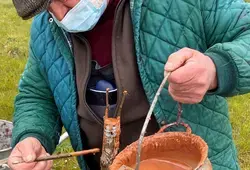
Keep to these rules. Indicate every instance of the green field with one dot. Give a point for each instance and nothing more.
(14, 36)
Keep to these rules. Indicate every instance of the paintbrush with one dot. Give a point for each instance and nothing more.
(61, 156)
(4, 161)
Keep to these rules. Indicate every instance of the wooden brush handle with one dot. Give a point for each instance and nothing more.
(61, 156)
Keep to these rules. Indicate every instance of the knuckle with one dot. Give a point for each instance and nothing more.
(171, 79)
(186, 49)
(10, 164)
(18, 145)
(171, 90)
(201, 93)
(172, 56)
(175, 79)
(175, 97)
(199, 100)
(200, 96)
(186, 102)
(202, 81)
(198, 93)
(191, 101)
(50, 164)
(40, 166)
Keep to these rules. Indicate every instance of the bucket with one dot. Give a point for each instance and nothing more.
(169, 150)
(5, 142)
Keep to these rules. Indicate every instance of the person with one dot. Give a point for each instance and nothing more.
(80, 47)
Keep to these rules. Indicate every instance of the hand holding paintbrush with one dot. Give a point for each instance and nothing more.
(61, 156)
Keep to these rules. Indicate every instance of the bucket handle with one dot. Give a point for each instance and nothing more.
(188, 129)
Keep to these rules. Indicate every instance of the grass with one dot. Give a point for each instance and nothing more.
(240, 110)
(14, 35)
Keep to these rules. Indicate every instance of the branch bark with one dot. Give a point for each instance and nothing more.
(138, 156)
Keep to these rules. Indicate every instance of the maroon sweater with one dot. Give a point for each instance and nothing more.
(100, 37)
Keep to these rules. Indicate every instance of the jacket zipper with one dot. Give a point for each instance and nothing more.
(119, 90)
(99, 121)
(87, 80)
(68, 40)
(85, 88)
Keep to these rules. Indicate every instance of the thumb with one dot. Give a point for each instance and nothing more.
(178, 59)
(30, 148)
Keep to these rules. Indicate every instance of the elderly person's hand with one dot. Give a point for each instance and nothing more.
(193, 74)
(28, 150)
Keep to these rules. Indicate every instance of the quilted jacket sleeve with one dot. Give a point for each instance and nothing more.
(35, 113)
(227, 29)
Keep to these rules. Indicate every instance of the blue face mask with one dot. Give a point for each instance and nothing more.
(83, 17)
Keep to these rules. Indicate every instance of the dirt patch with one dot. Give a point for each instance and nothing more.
(5, 134)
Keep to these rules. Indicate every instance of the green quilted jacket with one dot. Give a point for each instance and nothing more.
(47, 98)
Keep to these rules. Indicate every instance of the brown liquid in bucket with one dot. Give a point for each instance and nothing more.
(176, 160)
(159, 164)
(170, 150)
